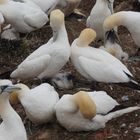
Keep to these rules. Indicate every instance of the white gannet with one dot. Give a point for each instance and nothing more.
(48, 59)
(129, 19)
(96, 64)
(68, 6)
(112, 45)
(22, 16)
(101, 10)
(38, 102)
(63, 80)
(87, 111)
(11, 127)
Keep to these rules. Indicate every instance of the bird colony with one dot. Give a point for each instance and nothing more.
(76, 111)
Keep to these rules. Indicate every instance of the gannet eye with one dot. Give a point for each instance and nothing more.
(3, 88)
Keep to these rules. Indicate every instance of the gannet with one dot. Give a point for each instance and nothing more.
(48, 59)
(63, 80)
(113, 46)
(96, 64)
(11, 127)
(87, 111)
(22, 16)
(129, 19)
(68, 6)
(38, 102)
(101, 10)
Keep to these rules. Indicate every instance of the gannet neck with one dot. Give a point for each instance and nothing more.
(60, 35)
(86, 37)
(101, 2)
(7, 113)
(85, 104)
(24, 89)
(116, 19)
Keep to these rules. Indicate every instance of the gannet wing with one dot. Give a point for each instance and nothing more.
(104, 102)
(31, 19)
(103, 72)
(31, 68)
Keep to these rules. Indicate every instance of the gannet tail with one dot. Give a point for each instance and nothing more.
(119, 113)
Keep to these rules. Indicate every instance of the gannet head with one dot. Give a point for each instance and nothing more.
(86, 37)
(113, 21)
(85, 104)
(6, 90)
(56, 19)
(15, 94)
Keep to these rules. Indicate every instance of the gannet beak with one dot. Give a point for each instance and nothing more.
(10, 89)
(110, 6)
(112, 36)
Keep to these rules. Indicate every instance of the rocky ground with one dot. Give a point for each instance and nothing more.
(12, 53)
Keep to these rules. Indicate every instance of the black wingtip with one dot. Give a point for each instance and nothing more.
(132, 84)
(118, 107)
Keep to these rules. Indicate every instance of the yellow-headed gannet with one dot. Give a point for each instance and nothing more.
(11, 127)
(85, 111)
(38, 102)
(96, 64)
(48, 59)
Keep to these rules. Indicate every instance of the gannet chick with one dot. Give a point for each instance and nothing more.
(10, 34)
(101, 10)
(112, 45)
(38, 102)
(87, 111)
(48, 59)
(68, 6)
(96, 64)
(11, 127)
(129, 19)
(63, 80)
(22, 16)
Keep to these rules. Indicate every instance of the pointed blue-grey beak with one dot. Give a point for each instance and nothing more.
(9, 89)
